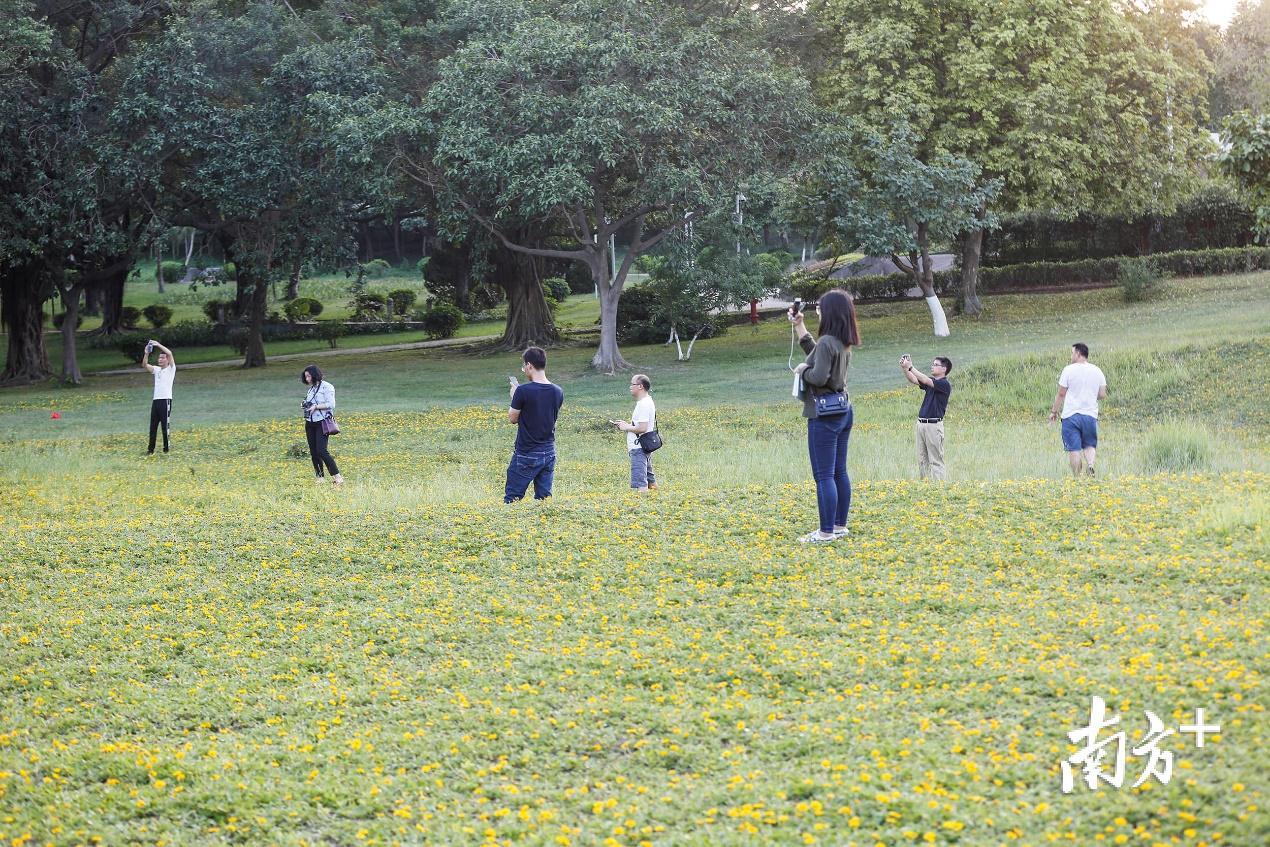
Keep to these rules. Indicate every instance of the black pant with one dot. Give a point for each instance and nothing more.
(317, 448)
(160, 413)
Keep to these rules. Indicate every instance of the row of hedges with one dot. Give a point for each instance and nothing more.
(1034, 275)
(440, 322)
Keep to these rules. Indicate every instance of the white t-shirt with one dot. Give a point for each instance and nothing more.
(645, 410)
(1082, 381)
(163, 378)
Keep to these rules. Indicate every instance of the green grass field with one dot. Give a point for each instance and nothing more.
(207, 648)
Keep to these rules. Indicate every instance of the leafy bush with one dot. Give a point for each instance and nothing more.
(1137, 279)
(218, 311)
(158, 315)
(579, 279)
(230, 270)
(132, 345)
(60, 318)
(172, 271)
(302, 308)
(557, 287)
(330, 331)
(442, 321)
(238, 339)
(421, 265)
(402, 299)
(369, 306)
(1178, 446)
(129, 317)
(376, 269)
(1040, 275)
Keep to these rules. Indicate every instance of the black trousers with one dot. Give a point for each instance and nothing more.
(317, 448)
(160, 415)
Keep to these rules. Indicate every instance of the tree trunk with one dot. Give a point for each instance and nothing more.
(70, 356)
(92, 301)
(22, 311)
(926, 281)
(293, 284)
(968, 294)
(243, 291)
(258, 290)
(608, 358)
(112, 304)
(529, 321)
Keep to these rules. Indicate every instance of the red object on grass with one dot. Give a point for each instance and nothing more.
(754, 311)
(57, 416)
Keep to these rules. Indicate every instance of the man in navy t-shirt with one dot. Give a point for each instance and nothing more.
(535, 405)
(930, 419)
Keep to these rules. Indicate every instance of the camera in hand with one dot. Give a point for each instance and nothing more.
(798, 305)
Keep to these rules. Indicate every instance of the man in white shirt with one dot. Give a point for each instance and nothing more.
(161, 405)
(643, 419)
(1080, 387)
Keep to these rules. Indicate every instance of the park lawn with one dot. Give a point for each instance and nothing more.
(206, 648)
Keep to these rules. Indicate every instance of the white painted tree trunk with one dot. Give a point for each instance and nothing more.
(937, 316)
(688, 355)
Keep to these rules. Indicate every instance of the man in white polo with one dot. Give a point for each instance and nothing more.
(1080, 387)
(161, 405)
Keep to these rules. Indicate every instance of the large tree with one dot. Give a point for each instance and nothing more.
(67, 217)
(1071, 106)
(1246, 157)
(599, 118)
(241, 110)
(1243, 60)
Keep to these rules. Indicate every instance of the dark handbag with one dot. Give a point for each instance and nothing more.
(329, 426)
(649, 441)
(829, 405)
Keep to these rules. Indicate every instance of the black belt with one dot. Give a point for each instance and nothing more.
(930, 420)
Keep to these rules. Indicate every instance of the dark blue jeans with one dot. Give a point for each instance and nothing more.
(827, 445)
(524, 468)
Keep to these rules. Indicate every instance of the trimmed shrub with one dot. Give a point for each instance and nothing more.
(129, 317)
(442, 321)
(238, 338)
(1178, 447)
(132, 345)
(1039, 275)
(158, 315)
(302, 308)
(1137, 279)
(230, 270)
(218, 311)
(370, 306)
(172, 271)
(402, 299)
(60, 318)
(557, 287)
(376, 269)
(330, 331)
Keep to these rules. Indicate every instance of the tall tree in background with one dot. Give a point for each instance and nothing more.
(1243, 60)
(602, 118)
(66, 217)
(239, 109)
(1246, 138)
(1069, 106)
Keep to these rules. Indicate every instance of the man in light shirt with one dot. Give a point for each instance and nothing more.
(1080, 387)
(643, 419)
(161, 405)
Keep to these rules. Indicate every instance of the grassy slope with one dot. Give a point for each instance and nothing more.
(204, 648)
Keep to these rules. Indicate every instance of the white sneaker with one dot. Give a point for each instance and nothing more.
(814, 537)
(841, 532)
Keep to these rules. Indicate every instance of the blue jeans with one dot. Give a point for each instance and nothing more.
(524, 468)
(827, 445)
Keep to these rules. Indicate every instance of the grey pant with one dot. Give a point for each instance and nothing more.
(930, 450)
(642, 475)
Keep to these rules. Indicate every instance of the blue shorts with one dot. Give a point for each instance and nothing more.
(1079, 432)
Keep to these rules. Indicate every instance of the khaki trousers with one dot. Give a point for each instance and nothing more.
(930, 450)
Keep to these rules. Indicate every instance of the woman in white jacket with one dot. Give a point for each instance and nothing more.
(318, 405)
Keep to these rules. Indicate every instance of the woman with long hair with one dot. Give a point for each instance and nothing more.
(318, 405)
(824, 375)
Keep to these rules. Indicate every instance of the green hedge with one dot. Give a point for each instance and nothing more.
(1014, 278)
